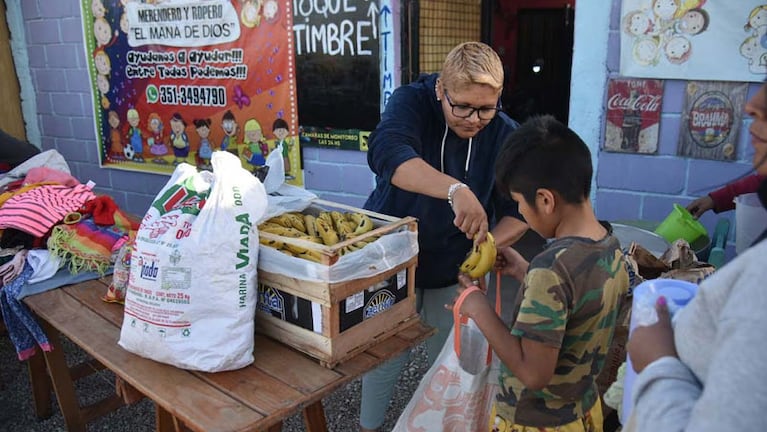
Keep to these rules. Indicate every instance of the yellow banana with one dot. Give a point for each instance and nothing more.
(268, 224)
(325, 215)
(471, 259)
(326, 232)
(311, 255)
(338, 218)
(283, 231)
(364, 225)
(282, 220)
(345, 229)
(296, 221)
(309, 224)
(271, 243)
(484, 264)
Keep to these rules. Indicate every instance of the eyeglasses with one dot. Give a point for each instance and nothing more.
(466, 111)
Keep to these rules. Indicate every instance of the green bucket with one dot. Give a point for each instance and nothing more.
(680, 224)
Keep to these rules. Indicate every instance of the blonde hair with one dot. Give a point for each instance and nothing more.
(472, 63)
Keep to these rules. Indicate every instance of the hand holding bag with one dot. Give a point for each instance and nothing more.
(456, 394)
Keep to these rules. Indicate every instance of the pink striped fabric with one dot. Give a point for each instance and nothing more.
(36, 211)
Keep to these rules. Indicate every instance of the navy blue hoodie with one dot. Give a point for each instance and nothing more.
(413, 125)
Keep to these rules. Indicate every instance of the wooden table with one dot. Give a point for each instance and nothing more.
(280, 382)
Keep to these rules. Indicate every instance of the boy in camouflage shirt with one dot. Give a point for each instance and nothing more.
(570, 294)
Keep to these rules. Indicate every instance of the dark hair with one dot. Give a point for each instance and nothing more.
(198, 123)
(544, 153)
(228, 115)
(280, 124)
(177, 117)
(706, 18)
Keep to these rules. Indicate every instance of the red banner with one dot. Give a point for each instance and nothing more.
(175, 80)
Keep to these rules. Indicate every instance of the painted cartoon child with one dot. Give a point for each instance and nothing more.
(202, 126)
(229, 125)
(638, 23)
(135, 135)
(678, 50)
(179, 139)
(115, 138)
(757, 21)
(693, 22)
(102, 63)
(256, 148)
(98, 9)
(665, 10)
(646, 51)
(283, 143)
(102, 32)
(156, 141)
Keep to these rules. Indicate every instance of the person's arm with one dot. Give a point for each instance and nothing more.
(508, 230)
(532, 361)
(394, 154)
(669, 397)
(724, 198)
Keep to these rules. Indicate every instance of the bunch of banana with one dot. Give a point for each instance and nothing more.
(481, 258)
(328, 228)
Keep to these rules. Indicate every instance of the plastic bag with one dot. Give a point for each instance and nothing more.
(191, 296)
(458, 391)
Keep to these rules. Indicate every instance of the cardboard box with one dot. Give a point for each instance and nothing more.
(333, 321)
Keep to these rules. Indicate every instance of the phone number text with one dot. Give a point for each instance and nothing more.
(193, 95)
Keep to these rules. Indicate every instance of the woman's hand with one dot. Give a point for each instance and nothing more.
(470, 216)
(649, 343)
(700, 206)
(510, 263)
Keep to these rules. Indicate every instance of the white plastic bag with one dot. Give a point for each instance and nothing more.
(450, 397)
(191, 295)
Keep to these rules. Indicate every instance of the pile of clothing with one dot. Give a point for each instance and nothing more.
(54, 231)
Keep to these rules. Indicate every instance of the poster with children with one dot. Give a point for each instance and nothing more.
(175, 80)
(711, 118)
(715, 40)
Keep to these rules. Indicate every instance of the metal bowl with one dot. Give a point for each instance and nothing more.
(626, 234)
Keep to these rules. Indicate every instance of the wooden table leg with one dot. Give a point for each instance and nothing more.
(62, 381)
(164, 422)
(314, 418)
(41, 384)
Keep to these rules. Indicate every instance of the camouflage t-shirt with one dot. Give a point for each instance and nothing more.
(573, 291)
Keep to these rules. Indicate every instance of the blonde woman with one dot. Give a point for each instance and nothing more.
(433, 154)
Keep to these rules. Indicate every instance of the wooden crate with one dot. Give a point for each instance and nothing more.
(334, 334)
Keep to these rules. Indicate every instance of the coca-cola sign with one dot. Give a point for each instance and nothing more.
(650, 103)
(633, 115)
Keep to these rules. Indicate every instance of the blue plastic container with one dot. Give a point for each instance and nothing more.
(678, 293)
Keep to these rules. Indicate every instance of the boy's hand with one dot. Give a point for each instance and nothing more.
(649, 343)
(474, 303)
(510, 263)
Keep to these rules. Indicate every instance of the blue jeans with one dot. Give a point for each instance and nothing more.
(378, 384)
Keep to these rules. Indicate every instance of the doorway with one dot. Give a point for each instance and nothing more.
(536, 43)
(11, 119)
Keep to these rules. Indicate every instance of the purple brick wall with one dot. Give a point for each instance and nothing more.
(645, 187)
(54, 35)
(628, 186)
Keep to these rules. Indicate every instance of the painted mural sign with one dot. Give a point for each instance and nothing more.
(711, 117)
(717, 40)
(345, 68)
(175, 80)
(633, 115)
